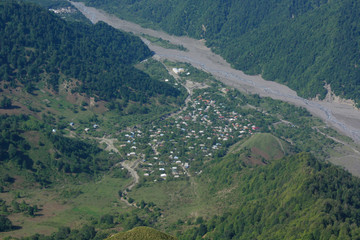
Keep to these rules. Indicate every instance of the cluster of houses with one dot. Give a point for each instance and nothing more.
(176, 143)
(72, 125)
(62, 10)
(224, 124)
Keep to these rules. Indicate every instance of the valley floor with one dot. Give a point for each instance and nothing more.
(342, 116)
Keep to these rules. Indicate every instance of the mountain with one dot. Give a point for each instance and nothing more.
(296, 197)
(226, 166)
(97, 59)
(305, 44)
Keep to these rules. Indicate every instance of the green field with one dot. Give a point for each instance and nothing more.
(67, 205)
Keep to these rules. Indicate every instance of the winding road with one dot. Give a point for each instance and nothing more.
(130, 166)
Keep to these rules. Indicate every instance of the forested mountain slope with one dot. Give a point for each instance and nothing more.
(296, 197)
(36, 46)
(304, 44)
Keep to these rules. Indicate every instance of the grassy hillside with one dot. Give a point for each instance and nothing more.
(304, 44)
(261, 147)
(141, 233)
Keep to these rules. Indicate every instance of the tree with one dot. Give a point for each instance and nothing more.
(5, 224)
(107, 219)
(5, 103)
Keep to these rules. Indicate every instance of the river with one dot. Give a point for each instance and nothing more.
(341, 116)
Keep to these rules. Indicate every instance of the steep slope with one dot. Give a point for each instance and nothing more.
(296, 197)
(36, 46)
(304, 44)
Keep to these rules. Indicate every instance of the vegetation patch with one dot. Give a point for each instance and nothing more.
(145, 233)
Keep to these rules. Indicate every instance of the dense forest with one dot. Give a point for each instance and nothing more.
(301, 43)
(37, 45)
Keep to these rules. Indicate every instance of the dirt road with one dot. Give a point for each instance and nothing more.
(130, 166)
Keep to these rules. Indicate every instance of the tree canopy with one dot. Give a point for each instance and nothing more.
(37, 45)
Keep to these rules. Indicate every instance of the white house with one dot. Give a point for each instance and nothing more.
(178, 70)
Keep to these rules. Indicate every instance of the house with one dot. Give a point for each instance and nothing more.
(178, 70)
(163, 175)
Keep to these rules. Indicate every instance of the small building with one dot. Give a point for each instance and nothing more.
(178, 70)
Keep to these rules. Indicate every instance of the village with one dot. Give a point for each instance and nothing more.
(178, 147)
